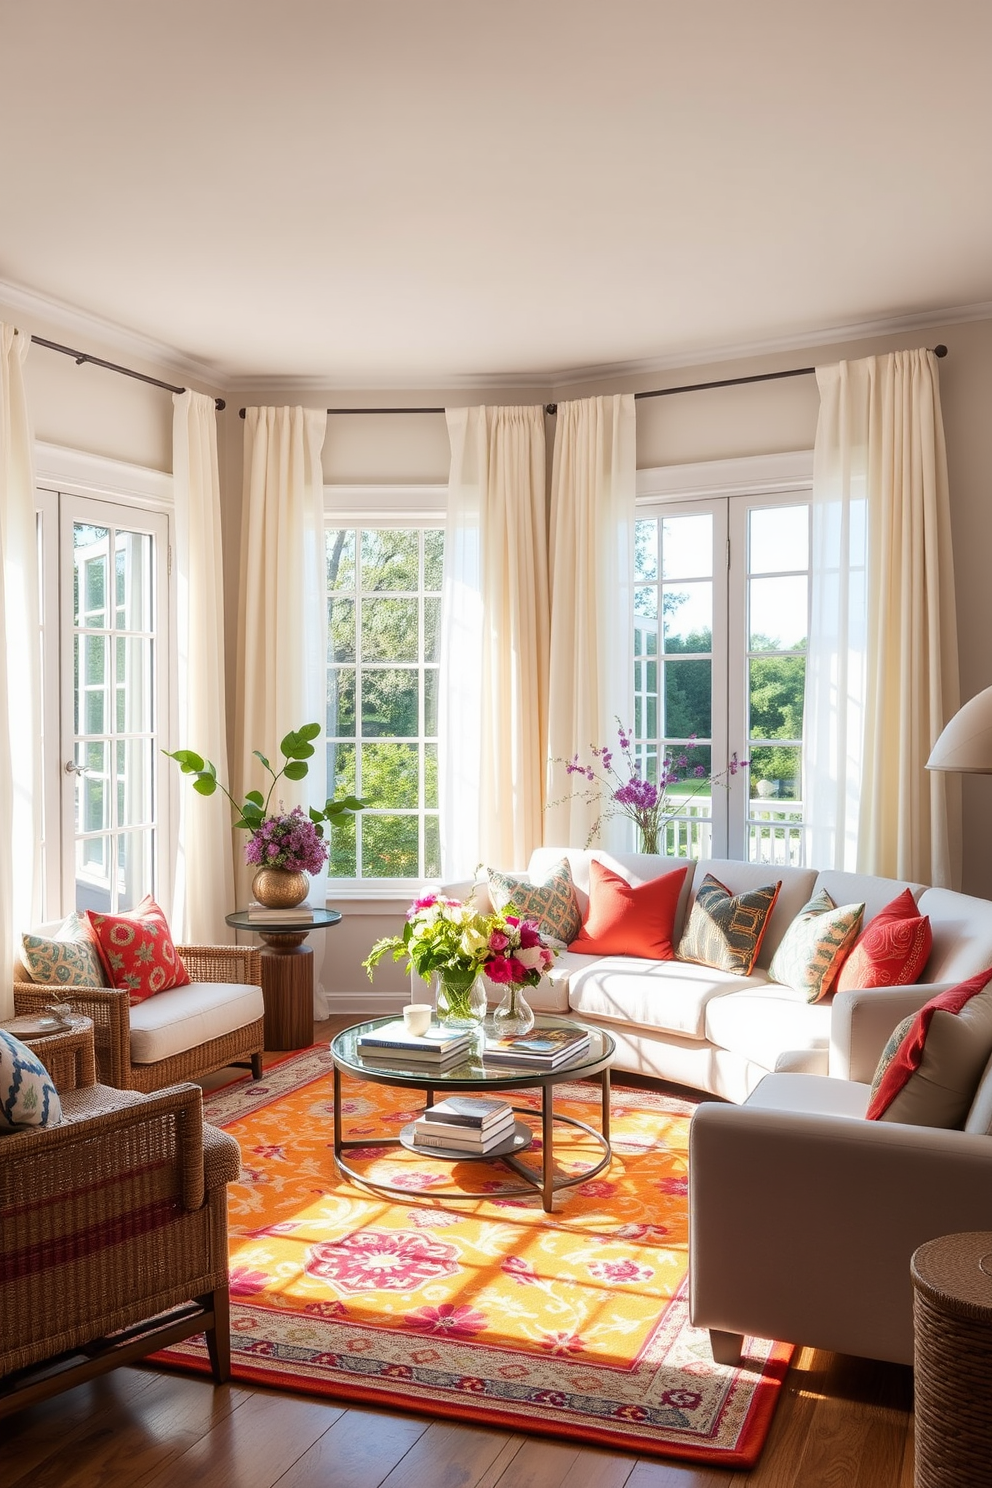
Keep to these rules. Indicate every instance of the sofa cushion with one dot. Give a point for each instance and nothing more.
(891, 950)
(551, 902)
(962, 934)
(798, 887)
(725, 930)
(810, 1095)
(666, 996)
(184, 1017)
(68, 958)
(815, 945)
(28, 1097)
(765, 1022)
(628, 920)
(930, 1068)
(137, 950)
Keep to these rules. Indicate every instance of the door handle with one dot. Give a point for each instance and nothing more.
(71, 768)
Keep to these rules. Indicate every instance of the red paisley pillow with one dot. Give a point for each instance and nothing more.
(891, 950)
(136, 950)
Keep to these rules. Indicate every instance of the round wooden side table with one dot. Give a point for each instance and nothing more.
(287, 973)
(952, 1319)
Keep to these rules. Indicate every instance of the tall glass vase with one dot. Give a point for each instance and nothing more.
(459, 1003)
(514, 1014)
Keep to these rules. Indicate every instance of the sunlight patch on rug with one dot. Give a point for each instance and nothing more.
(572, 1324)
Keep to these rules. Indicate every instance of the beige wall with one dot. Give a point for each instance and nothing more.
(95, 410)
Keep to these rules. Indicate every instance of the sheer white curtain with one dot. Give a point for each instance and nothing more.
(882, 670)
(282, 654)
(494, 640)
(20, 664)
(592, 543)
(204, 887)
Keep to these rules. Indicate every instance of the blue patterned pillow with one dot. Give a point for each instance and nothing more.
(725, 930)
(27, 1095)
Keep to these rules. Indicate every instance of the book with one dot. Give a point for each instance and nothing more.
(401, 1060)
(396, 1037)
(259, 912)
(477, 1148)
(467, 1110)
(465, 1136)
(545, 1049)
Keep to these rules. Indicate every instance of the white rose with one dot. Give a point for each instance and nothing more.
(471, 942)
(531, 956)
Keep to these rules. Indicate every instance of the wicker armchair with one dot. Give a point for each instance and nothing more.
(116, 1216)
(111, 1014)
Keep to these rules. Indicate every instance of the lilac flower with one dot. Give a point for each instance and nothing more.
(289, 841)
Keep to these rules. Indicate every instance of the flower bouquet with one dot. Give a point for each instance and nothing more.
(451, 943)
(646, 802)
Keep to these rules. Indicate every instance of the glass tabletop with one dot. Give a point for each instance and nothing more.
(317, 919)
(472, 1072)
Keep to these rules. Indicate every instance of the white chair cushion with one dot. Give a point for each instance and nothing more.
(762, 1022)
(671, 996)
(810, 1095)
(185, 1017)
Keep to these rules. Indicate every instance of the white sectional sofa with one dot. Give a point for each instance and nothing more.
(720, 1033)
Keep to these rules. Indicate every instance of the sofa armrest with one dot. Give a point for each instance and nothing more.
(68, 1057)
(801, 1227)
(861, 1024)
(222, 963)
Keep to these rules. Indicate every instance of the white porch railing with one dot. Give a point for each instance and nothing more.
(774, 829)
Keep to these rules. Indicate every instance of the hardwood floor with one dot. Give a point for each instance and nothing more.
(841, 1421)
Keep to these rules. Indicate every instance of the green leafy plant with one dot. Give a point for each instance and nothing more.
(297, 751)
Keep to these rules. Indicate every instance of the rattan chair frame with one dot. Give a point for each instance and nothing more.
(109, 1009)
(113, 1231)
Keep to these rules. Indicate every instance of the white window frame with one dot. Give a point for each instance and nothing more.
(358, 506)
(766, 479)
(132, 488)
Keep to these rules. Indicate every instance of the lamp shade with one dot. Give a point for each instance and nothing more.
(966, 742)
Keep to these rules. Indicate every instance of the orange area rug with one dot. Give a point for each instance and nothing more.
(569, 1324)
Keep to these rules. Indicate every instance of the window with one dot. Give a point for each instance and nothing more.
(383, 615)
(720, 627)
(106, 699)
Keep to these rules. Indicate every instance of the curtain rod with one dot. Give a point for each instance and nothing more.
(689, 387)
(84, 356)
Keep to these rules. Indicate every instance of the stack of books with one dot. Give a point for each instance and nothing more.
(299, 912)
(543, 1048)
(465, 1123)
(393, 1044)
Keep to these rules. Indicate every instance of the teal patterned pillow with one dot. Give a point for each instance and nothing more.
(68, 959)
(725, 930)
(815, 946)
(27, 1095)
(552, 904)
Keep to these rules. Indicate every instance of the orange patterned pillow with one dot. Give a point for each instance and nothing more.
(136, 950)
(891, 950)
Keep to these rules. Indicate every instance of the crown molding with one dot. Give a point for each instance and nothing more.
(77, 323)
(744, 475)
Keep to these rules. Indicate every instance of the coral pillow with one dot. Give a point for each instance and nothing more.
(931, 1067)
(626, 921)
(136, 950)
(891, 950)
(725, 930)
(814, 946)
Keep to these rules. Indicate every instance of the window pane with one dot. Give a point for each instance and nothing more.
(432, 630)
(687, 547)
(430, 775)
(135, 782)
(776, 697)
(430, 702)
(432, 847)
(390, 846)
(93, 874)
(646, 602)
(778, 614)
(135, 852)
(688, 699)
(341, 629)
(389, 629)
(688, 617)
(133, 560)
(390, 774)
(341, 702)
(779, 539)
(90, 558)
(339, 551)
(433, 559)
(134, 683)
(344, 851)
(646, 549)
(390, 560)
(341, 769)
(775, 773)
(390, 702)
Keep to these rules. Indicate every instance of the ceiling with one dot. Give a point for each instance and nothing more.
(415, 192)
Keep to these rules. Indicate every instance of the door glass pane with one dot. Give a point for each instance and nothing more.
(779, 539)
(776, 697)
(91, 561)
(687, 547)
(688, 616)
(688, 699)
(778, 613)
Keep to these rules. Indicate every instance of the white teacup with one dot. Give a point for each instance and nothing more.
(417, 1017)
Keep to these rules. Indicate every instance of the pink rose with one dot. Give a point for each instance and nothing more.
(498, 941)
(530, 934)
(498, 969)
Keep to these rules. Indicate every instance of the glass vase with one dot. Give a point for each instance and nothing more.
(459, 1004)
(514, 1014)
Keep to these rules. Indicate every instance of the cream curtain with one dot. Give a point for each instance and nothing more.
(20, 664)
(282, 654)
(882, 673)
(592, 542)
(494, 640)
(204, 888)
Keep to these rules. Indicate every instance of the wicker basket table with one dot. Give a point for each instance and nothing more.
(952, 1316)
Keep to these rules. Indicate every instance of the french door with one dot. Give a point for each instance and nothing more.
(105, 600)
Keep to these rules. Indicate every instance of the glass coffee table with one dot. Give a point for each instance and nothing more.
(475, 1076)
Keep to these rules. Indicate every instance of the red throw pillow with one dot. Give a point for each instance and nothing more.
(626, 921)
(891, 950)
(930, 1068)
(136, 950)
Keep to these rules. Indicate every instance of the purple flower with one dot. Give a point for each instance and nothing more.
(290, 841)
